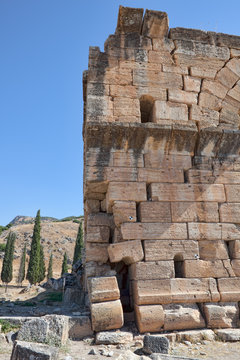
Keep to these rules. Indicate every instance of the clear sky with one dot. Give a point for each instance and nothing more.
(43, 52)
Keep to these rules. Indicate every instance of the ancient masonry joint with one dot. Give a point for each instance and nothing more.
(162, 176)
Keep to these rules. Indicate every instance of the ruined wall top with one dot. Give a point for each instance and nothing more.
(154, 76)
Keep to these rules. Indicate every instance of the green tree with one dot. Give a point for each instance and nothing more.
(21, 275)
(42, 268)
(34, 260)
(7, 267)
(64, 265)
(50, 267)
(78, 245)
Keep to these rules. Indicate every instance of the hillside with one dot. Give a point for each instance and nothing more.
(56, 236)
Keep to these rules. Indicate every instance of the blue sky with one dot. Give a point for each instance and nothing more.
(43, 52)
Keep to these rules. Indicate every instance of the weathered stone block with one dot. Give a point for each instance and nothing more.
(226, 77)
(165, 44)
(126, 251)
(234, 249)
(213, 250)
(206, 100)
(230, 231)
(149, 318)
(228, 334)
(155, 344)
(120, 174)
(152, 270)
(191, 84)
(205, 231)
(194, 211)
(159, 160)
(181, 316)
(196, 176)
(234, 66)
(167, 291)
(167, 249)
(125, 191)
(187, 192)
(153, 211)
(221, 315)
(25, 350)
(152, 231)
(207, 73)
(107, 315)
(198, 113)
(232, 193)
(204, 269)
(79, 327)
(155, 24)
(229, 289)
(123, 106)
(127, 159)
(100, 219)
(92, 206)
(96, 252)
(124, 211)
(113, 337)
(175, 69)
(181, 96)
(98, 234)
(161, 79)
(214, 88)
(169, 111)
(235, 264)
(160, 57)
(201, 50)
(160, 175)
(103, 289)
(129, 20)
(230, 212)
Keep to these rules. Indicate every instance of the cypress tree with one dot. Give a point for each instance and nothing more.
(33, 266)
(21, 275)
(64, 265)
(42, 268)
(7, 268)
(50, 267)
(78, 245)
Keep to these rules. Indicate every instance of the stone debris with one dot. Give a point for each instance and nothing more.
(155, 344)
(28, 351)
(113, 337)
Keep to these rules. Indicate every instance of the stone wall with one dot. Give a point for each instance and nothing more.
(162, 176)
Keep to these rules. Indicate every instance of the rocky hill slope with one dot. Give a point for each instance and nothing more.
(57, 236)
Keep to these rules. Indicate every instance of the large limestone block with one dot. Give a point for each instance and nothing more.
(79, 327)
(107, 315)
(150, 231)
(221, 315)
(124, 211)
(204, 269)
(214, 88)
(160, 57)
(160, 175)
(205, 231)
(230, 213)
(127, 251)
(152, 270)
(166, 291)
(155, 24)
(213, 250)
(149, 318)
(23, 350)
(194, 211)
(227, 177)
(142, 77)
(113, 337)
(208, 73)
(153, 211)
(103, 289)
(196, 176)
(228, 334)
(227, 78)
(234, 66)
(129, 20)
(156, 159)
(191, 84)
(98, 234)
(167, 249)
(187, 192)
(204, 115)
(127, 159)
(163, 110)
(181, 316)
(207, 100)
(96, 252)
(120, 174)
(232, 193)
(125, 191)
(183, 97)
(123, 106)
(235, 264)
(229, 289)
(100, 219)
(234, 249)
(230, 231)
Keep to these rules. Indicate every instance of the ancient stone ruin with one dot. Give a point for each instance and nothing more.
(162, 176)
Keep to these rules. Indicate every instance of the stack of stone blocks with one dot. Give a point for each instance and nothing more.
(162, 175)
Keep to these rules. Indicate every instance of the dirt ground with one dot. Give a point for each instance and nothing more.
(78, 350)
